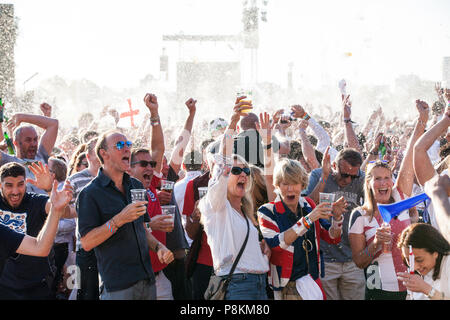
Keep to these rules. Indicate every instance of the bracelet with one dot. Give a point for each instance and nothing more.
(157, 246)
(110, 228)
(267, 146)
(306, 222)
(155, 121)
(323, 180)
(431, 293)
(348, 120)
(375, 153)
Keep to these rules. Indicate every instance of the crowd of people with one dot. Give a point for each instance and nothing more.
(243, 203)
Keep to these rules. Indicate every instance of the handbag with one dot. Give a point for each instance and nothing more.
(217, 286)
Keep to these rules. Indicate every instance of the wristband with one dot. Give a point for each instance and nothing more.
(375, 153)
(431, 293)
(267, 146)
(306, 222)
(110, 228)
(348, 120)
(306, 117)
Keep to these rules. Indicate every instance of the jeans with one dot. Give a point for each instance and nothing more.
(247, 286)
(141, 290)
(87, 264)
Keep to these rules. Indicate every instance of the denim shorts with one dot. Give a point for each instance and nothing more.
(247, 286)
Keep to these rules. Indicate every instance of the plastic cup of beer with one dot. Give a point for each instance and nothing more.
(169, 210)
(167, 185)
(326, 197)
(202, 191)
(138, 195)
(247, 100)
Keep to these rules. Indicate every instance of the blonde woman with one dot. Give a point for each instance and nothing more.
(224, 211)
(370, 240)
(292, 226)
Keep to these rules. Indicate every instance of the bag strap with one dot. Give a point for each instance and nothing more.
(240, 253)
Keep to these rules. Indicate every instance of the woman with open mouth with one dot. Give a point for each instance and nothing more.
(227, 216)
(371, 238)
(292, 226)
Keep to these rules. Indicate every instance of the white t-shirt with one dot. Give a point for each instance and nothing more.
(226, 229)
(382, 271)
(441, 284)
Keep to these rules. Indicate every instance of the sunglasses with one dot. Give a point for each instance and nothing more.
(346, 175)
(382, 161)
(145, 163)
(120, 144)
(238, 170)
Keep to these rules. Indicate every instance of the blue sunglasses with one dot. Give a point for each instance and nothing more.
(120, 144)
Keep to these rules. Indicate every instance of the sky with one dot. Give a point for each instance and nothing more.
(116, 43)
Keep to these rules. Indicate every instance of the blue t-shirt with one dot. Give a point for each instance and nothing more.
(22, 271)
(11, 241)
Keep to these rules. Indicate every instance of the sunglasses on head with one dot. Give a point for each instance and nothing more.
(145, 163)
(120, 144)
(382, 161)
(238, 170)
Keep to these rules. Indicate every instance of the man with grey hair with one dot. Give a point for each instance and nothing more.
(29, 148)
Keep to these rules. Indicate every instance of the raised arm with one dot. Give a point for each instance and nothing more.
(350, 138)
(50, 125)
(42, 244)
(323, 139)
(157, 139)
(264, 128)
(423, 167)
(317, 181)
(176, 158)
(405, 177)
(307, 148)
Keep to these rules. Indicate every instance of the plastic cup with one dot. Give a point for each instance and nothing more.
(167, 185)
(326, 197)
(248, 100)
(138, 195)
(169, 210)
(202, 191)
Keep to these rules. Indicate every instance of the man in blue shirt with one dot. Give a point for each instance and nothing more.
(114, 227)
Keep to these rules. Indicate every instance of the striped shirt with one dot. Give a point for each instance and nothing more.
(78, 181)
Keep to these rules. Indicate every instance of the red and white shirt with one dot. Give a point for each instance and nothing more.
(382, 271)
